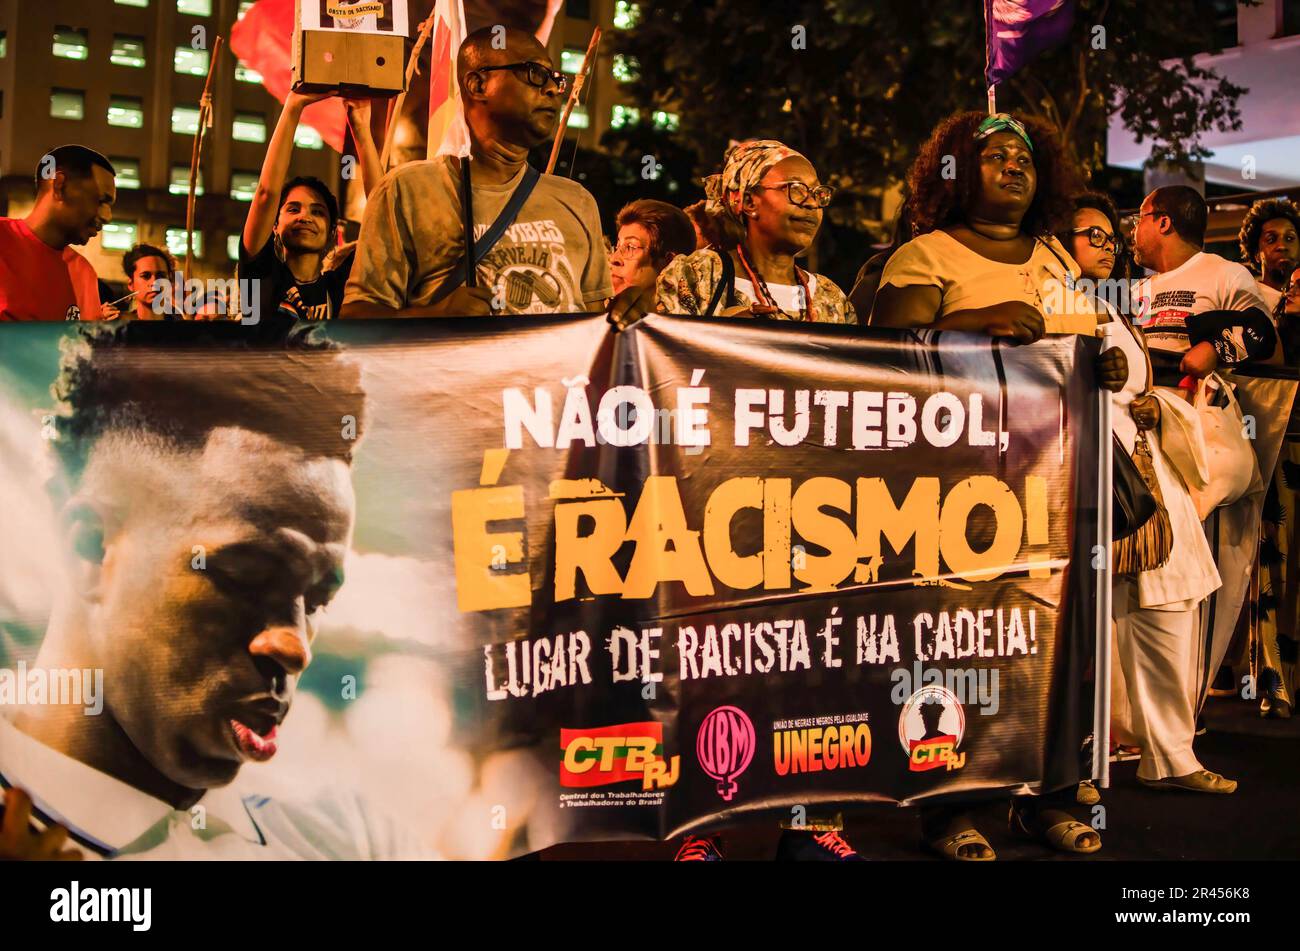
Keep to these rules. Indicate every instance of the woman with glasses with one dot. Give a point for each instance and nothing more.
(765, 209)
(1155, 610)
(986, 194)
(650, 234)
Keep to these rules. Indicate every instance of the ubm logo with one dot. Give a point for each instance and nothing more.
(103, 904)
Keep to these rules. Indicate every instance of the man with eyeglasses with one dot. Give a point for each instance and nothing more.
(1196, 304)
(550, 258)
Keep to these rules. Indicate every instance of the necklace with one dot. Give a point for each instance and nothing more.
(769, 305)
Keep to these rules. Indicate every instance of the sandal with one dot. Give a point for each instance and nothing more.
(1063, 833)
(949, 847)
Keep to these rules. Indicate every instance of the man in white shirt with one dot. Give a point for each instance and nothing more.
(1197, 304)
(208, 507)
(1270, 243)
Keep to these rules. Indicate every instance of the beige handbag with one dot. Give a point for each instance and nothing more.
(1230, 455)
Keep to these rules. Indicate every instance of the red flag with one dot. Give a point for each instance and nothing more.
(263, 40)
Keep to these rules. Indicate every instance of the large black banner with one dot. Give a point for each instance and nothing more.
(530, 580)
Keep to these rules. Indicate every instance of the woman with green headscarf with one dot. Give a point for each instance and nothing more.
(765, 209)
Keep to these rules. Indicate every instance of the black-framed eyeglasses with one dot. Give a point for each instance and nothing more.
(1099, 237)
(535, 74)
(802, 194)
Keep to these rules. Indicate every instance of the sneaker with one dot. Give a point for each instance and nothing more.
(820, 847)
(700, 848)
(1200, 781)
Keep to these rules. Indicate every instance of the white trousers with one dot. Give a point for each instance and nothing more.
(1157, 653)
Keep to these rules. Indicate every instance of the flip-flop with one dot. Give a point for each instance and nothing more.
(1062, 835)
(947, 847)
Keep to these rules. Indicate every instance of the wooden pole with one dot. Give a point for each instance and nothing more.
(205, 121)
(412, 67)
(578, 81)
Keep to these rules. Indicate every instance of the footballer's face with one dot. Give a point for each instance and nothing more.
(204, 585)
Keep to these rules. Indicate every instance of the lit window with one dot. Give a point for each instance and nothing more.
(249, 127)
(185, 120)
(128, 51)
(232, 247)
(245, 75)
(126, 112)
(622, 116)
(243, 185)
(118, 236)
(195, 8)
(626, 15)
(668, 121)
(128, 172)
(70, 43)
(4, 44)
(132, 3)
(180, 181)
(67, 104)
(305, 137)
(191, 62)
(625, 68)
(571, 61)
(176, 242)
(578, 118)
(244, 7)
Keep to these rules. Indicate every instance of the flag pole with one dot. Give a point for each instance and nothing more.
(578, 82)
(205, 121)
(988, 48)
(412, 67)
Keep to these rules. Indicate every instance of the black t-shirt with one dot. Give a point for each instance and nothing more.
(282, 296)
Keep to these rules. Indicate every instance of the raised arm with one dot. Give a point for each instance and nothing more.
(275, 170)
(367, 151)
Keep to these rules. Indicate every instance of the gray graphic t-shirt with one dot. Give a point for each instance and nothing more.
(550, 261)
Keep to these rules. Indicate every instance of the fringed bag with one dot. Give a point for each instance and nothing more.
(1149, 547)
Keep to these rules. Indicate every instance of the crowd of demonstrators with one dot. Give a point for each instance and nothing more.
(537, 239)
(996, 237)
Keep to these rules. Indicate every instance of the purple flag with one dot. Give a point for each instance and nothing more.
(1018, 30)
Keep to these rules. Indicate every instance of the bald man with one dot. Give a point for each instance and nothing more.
(550, 260)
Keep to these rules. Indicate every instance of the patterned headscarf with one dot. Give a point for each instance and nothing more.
(743, 167)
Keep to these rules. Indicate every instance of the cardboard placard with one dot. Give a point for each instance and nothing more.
(358, 46)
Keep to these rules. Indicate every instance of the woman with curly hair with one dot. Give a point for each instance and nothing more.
(1270, 246)
(764, 210)
(987, 194)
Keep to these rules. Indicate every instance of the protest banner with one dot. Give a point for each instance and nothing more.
(538, 581)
